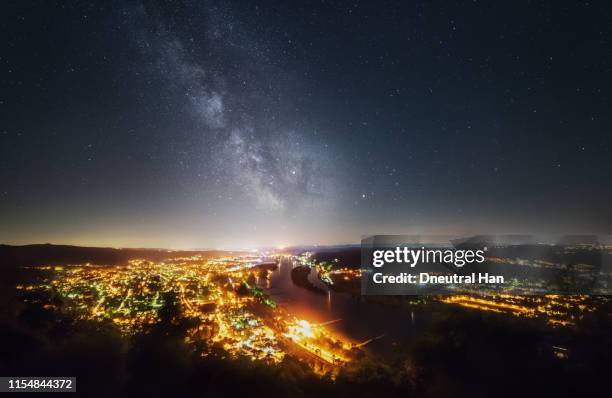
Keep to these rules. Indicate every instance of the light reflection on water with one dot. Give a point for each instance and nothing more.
(360, 320)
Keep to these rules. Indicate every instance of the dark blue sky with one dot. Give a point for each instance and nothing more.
(236, 124)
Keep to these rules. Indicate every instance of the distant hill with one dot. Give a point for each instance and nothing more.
(320, 248)
(48, 254)
(347, 256)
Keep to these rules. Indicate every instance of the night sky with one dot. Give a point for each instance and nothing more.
(240, 124)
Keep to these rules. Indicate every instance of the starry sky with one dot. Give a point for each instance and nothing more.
(236, 124)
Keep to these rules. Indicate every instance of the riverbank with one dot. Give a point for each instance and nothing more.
(299, 276)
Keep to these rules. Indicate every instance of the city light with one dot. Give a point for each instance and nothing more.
(219, 294)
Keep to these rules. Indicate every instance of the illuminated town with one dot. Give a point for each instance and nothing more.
(219, 294)
(224, 299)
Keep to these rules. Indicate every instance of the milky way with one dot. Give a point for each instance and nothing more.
(239, 124)
(244, 148)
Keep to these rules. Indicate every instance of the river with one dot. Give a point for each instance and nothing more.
(360, 320)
